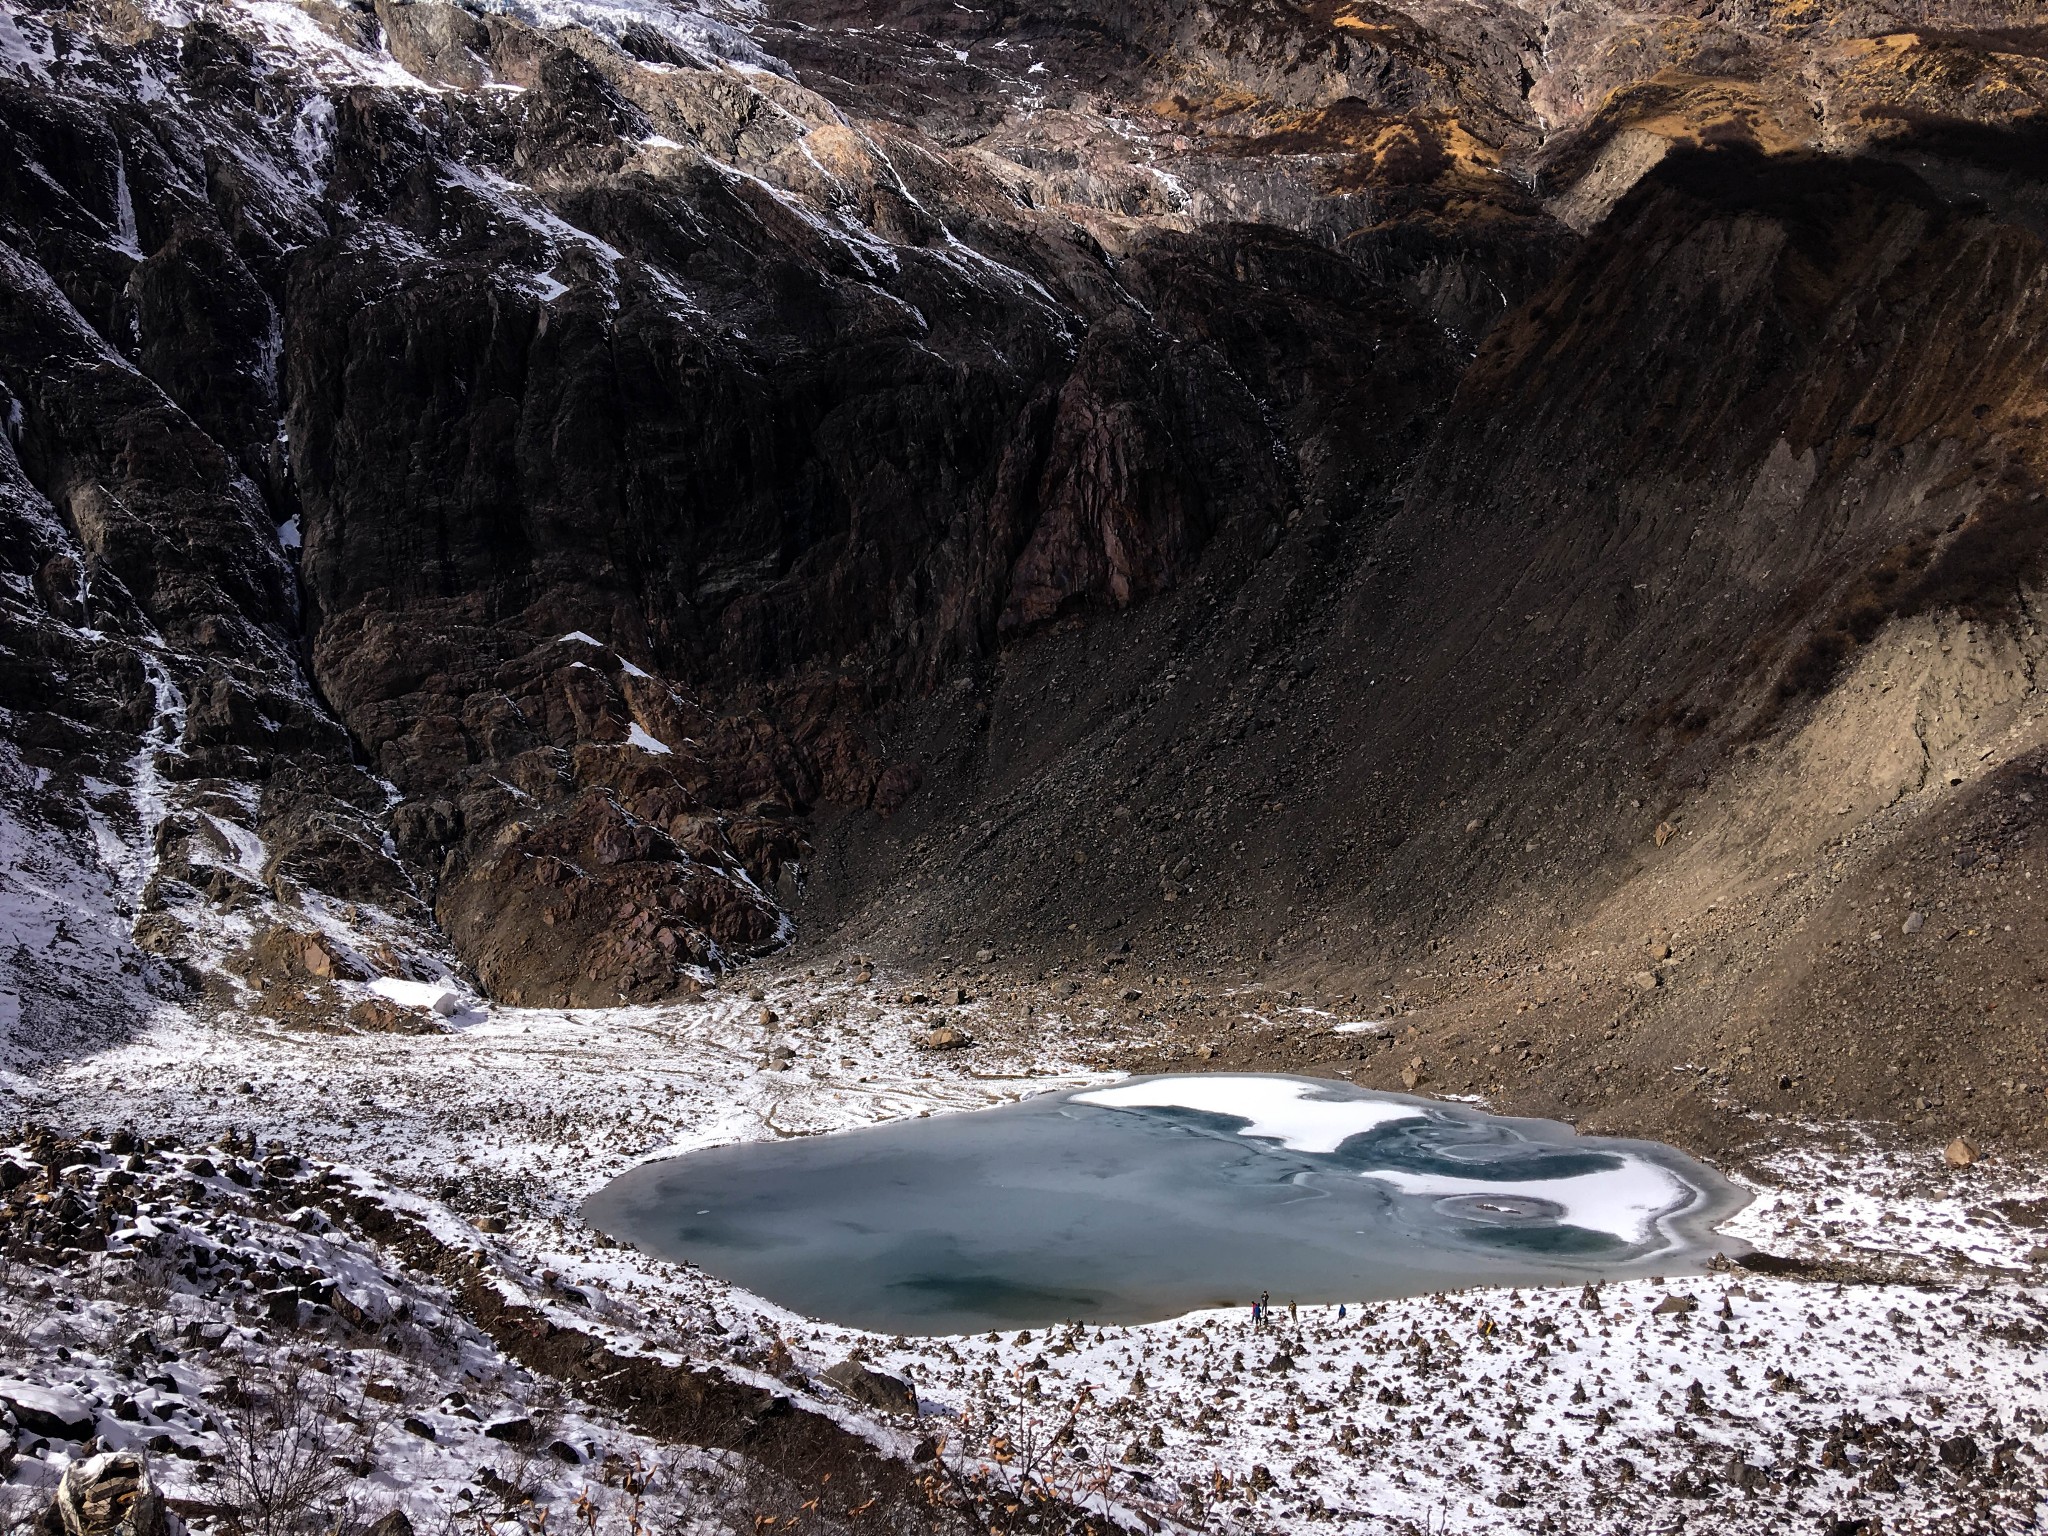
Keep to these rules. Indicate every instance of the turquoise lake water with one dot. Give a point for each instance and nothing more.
(1158, 1196)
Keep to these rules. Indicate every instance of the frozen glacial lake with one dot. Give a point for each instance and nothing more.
(1161, 1195)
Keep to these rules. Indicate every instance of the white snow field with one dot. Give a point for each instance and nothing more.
(1898, 1379)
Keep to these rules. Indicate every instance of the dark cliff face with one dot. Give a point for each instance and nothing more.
(547, 475)
(785, 466)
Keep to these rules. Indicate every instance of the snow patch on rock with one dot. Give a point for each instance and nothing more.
(430, 995)
(637, 737)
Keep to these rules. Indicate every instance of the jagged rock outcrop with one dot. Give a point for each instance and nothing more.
(111, 1494)
(370, 397)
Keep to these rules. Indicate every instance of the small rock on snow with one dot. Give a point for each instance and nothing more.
(891, 1394)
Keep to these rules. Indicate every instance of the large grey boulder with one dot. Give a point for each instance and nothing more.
(891, 1394)
(56, 1412)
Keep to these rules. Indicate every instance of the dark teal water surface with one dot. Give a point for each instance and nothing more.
(1122, 1205)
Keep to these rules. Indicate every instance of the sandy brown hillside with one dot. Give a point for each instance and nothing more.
(1704, 625)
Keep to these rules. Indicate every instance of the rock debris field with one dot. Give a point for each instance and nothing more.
(365, 1219)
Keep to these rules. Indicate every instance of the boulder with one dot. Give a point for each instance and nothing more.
(382, 1016)
(1673, 1306)
(109, 1495)
(1960, 1153)
(891, 1394)
(945, 1037)
(54, 1411)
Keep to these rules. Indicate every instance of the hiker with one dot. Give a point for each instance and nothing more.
(1291, 1317)
(1340, 1311)
(1255, 1314)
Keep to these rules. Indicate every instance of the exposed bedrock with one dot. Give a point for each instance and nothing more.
(557, 500)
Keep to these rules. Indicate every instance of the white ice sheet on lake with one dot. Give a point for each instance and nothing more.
(1278, 1108)
(1625, 1201)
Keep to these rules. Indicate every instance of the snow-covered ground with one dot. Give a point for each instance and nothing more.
(1898, 1377)
(523, 1112)
(417, 1412)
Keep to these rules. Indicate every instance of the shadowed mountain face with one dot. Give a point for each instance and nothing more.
(1318, 487)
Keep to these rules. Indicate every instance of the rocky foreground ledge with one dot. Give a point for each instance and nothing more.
(237, 1339)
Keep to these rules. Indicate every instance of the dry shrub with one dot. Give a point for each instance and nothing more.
(288, 1448)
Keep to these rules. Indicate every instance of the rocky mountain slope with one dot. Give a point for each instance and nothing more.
(1137, 535)
(1705, 623)
(576, 497)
